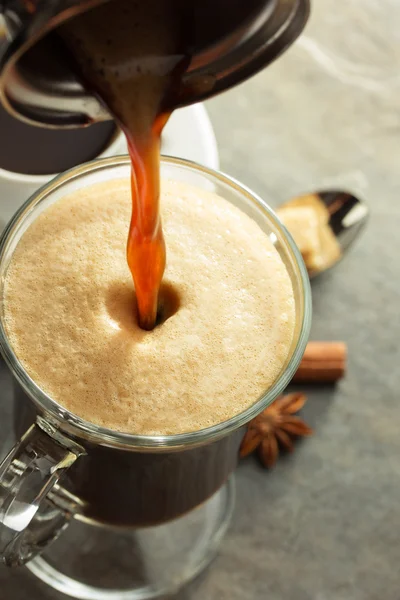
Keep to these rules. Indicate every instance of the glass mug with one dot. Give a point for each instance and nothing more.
(66, 467)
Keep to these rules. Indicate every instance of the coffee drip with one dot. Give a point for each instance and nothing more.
(133, 55)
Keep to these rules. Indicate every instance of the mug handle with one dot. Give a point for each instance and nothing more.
(34, 510)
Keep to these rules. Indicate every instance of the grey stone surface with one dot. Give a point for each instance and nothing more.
(325, 523)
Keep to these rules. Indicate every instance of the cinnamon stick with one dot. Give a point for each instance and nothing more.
(323, 362)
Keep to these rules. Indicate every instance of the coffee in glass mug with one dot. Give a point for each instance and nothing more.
(137, 428)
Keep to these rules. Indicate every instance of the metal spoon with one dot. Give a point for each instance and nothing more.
(347, 215)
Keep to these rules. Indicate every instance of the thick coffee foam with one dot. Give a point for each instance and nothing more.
(70, 312)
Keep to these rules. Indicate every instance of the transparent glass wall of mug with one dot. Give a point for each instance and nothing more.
(65, 466)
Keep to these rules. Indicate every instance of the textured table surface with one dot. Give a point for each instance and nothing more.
(325, 523)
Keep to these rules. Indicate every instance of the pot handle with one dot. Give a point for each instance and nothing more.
(34, 509)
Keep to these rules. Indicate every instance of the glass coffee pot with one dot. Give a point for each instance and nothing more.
(228, 41)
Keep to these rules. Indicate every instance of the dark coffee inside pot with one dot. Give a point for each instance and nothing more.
(37, 151)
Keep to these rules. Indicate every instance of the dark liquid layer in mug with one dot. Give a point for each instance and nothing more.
(130, 489)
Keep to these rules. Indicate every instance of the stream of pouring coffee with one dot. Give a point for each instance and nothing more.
(132, 54)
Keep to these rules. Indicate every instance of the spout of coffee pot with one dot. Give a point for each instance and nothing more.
(38, 85)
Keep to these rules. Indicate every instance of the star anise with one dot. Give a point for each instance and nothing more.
(276, 426)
